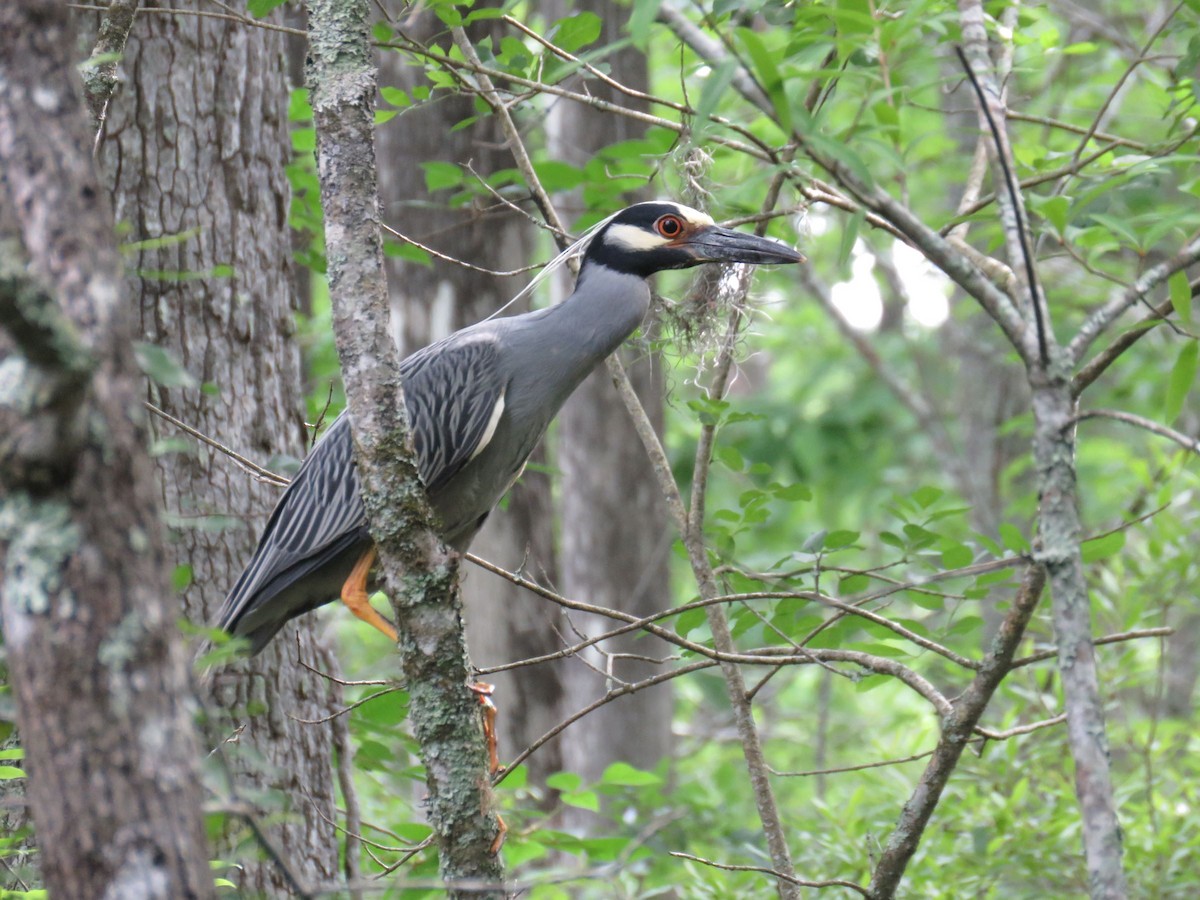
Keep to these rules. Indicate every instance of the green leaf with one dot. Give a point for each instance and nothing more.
(768, 76)
(1012, 538)
(260, 8)
(847, 238)
(626, 775)
(564, 781)
(576, 31)
(181, 577)
(1183, 374)
(713, 89)
(1102, 547)
(582, 799)
(793, 493)
(13, 753)
(815, 542)
(853, 584)
(10, 772)
(1054, 210)
(441, 175)
(558, 176)
(641, 21)
(955, 555)
(395, 97)
(1181, 297)
(840, 538)
(927, 496)
(161, 367)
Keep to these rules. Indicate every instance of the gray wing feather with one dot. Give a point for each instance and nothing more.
(451, 389)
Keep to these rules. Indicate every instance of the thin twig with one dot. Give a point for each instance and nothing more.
(245, 464)
(1102, 318)
(791, 879)
(1043, 655)
(199, 13)
(1187, 443)
(458, 262)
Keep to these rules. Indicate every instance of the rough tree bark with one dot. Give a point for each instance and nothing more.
(504, 622)
(615, 541)
(195, 150)
(89, 620)
(420, 573)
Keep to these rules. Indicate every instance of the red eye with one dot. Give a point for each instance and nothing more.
(669, 226)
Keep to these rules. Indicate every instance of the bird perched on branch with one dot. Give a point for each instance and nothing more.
(478, 402)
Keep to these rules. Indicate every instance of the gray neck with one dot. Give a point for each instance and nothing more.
(606, 307)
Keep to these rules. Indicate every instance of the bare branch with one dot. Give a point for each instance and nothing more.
(791, 879)
(956, 731)
(450, 259)
(1102, 318)
(1187, 443)
(1042, 655)
(245, 464)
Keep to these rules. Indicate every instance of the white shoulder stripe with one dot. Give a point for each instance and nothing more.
(490, 431)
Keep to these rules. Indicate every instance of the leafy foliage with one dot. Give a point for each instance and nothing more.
(882, 468)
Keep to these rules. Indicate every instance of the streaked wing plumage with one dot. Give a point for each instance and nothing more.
(451, 389)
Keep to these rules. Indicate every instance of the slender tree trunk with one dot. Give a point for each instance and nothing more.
(99, 671)
(504, 622)
(195, 149)
(615, 541)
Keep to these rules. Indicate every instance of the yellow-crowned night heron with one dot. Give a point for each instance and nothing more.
(478, 402)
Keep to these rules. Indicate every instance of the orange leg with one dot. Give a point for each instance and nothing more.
(354, 595)
(484, 691)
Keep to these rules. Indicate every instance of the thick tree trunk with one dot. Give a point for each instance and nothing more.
(615, 541)
(195, 148)
(99, 671)
(504, 622)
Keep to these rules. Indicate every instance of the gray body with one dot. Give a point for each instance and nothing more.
(532, 362)
(478, 403)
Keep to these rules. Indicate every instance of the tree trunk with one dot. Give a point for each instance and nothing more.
(504, 623)
(615, 540)
(195, 150)
(100, 673)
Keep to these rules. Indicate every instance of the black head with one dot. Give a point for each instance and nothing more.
(650, 237)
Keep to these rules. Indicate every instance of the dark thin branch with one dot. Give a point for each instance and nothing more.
(791, 879)
(1003, 160)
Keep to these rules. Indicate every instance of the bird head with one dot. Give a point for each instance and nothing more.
(649, 237)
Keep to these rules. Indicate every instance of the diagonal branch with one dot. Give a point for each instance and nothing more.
(956, 730)
(1102, 318)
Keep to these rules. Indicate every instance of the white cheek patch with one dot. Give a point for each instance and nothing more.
(633, 238)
